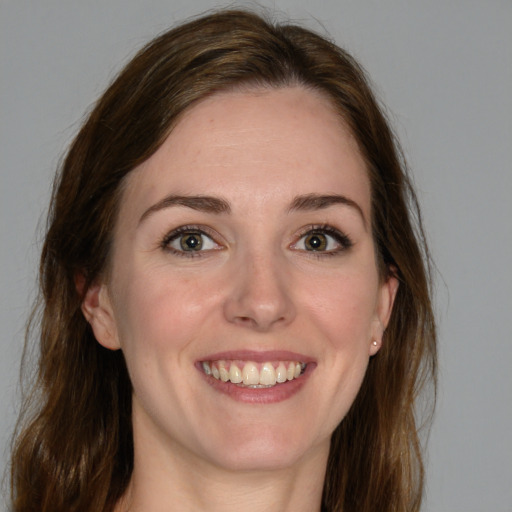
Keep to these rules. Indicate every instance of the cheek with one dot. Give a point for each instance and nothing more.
(159, 310)
(344, 307)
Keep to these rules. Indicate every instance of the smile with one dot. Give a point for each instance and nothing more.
(252, 374)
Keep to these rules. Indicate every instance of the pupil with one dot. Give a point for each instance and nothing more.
(316, 242)
(191, 242)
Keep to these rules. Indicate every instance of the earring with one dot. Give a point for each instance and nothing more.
(375, 343)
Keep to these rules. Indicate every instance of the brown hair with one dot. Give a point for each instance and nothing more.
(75, 451)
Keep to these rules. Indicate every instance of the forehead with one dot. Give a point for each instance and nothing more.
(252, 146)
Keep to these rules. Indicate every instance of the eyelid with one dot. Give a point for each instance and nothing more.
(190, 228)
(339, 236)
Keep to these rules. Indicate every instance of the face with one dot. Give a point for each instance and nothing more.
(244, 290)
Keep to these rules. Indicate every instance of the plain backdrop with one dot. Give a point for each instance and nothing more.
(443, 68)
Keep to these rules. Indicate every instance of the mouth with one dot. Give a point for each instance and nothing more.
(253, 374)
(257, 377)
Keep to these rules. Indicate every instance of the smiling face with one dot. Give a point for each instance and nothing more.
(243, 289)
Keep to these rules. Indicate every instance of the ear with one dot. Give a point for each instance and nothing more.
(97, 310)
(385, 301)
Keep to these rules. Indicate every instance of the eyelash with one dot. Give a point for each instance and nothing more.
(324, 229)
(342, 239)
(176, 233)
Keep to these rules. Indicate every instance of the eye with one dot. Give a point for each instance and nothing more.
(323, 240)
(317, 242)
(189, 240)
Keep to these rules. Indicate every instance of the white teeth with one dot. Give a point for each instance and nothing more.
(267, 375)
(224, 374)
(250, 374)
(281, 373)
(235, 375)
(290, 372)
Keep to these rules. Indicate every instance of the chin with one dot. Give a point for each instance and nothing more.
(275, 449)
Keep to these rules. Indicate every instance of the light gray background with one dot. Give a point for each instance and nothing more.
(444, 68)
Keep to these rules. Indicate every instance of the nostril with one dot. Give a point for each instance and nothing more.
(246, 320)
(258, 324)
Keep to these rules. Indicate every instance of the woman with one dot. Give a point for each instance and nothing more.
(236, 307)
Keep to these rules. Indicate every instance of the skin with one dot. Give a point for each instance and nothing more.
(256, 286)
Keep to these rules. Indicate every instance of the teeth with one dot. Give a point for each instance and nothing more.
(254, 375)
(250, 374)
(206, 368)
(268, 375)
(224, 374)
(235, 375)
(281, 373)
(290, 373)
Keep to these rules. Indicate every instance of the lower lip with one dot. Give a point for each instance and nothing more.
(277, 393)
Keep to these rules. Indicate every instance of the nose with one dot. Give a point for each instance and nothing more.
(259, 298)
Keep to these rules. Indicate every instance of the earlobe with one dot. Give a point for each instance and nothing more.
(97, 310)
(374, 347)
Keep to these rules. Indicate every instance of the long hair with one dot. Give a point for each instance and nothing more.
(74, 447)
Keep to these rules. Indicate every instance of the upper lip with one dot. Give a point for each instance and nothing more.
(258, 356)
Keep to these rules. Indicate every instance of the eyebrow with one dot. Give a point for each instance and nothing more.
(311, 202)
(206, 204)
(210, 204)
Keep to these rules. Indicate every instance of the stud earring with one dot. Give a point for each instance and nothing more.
(374, 343)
